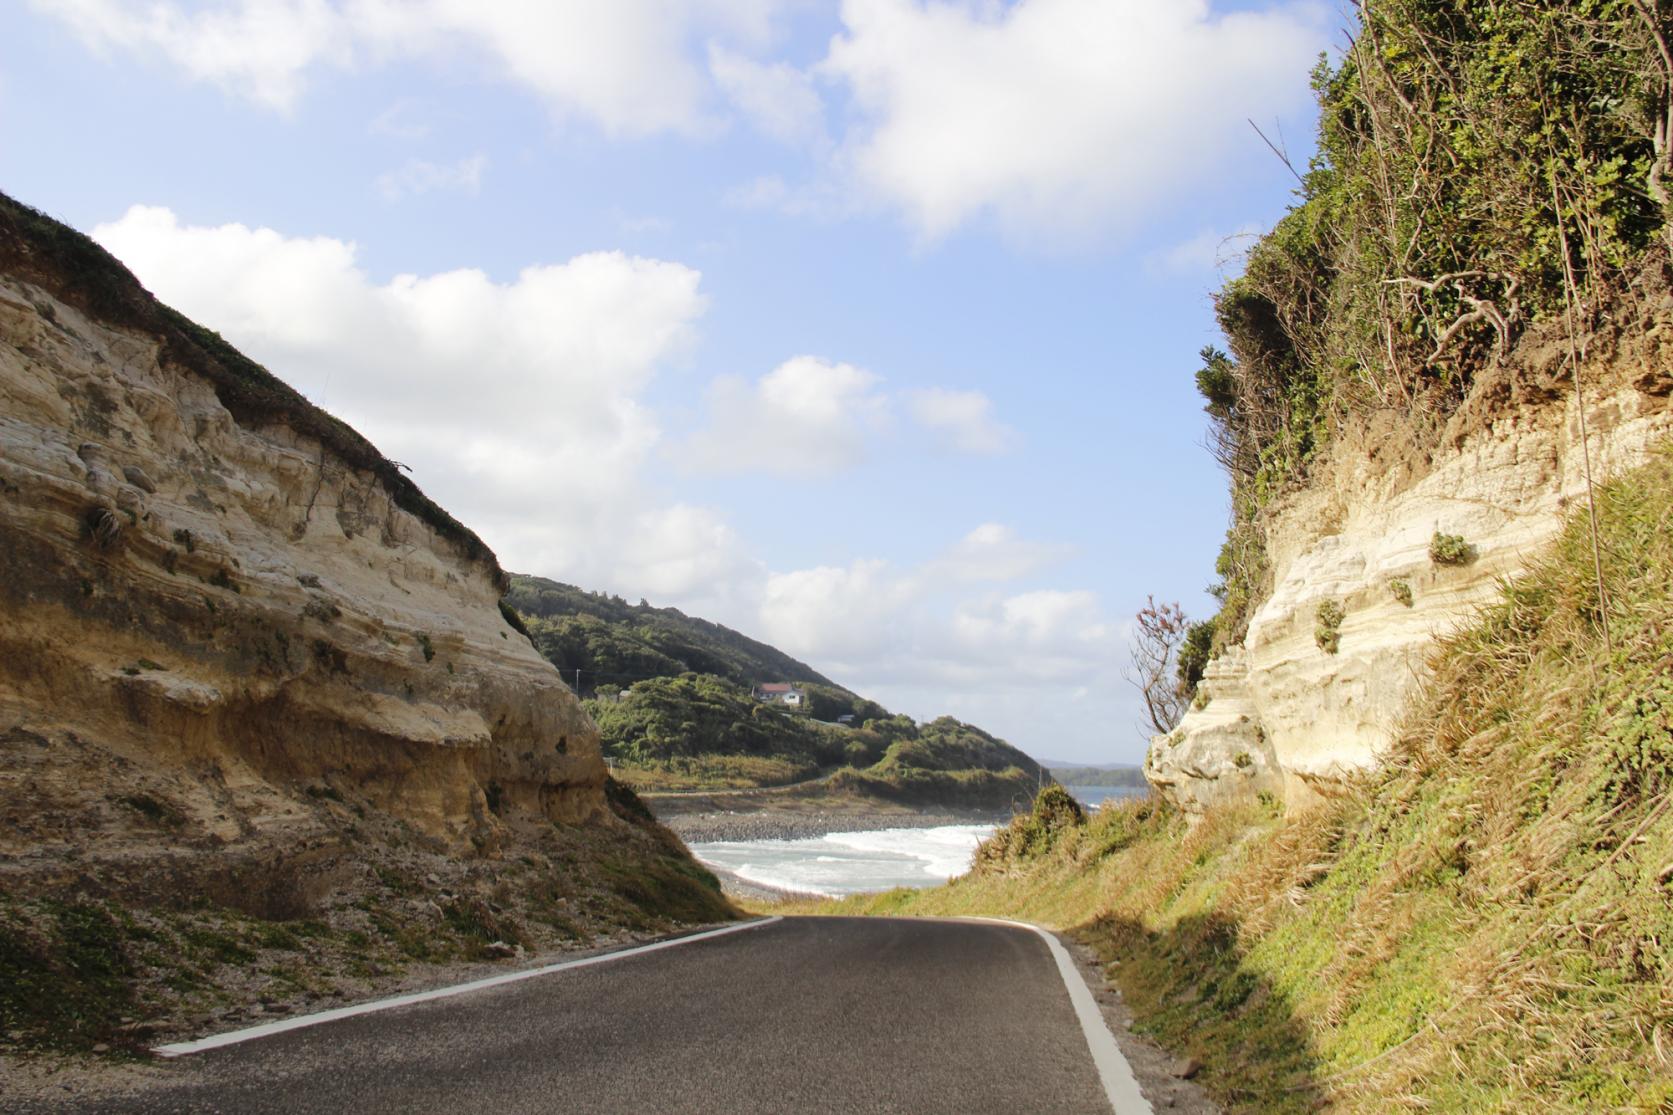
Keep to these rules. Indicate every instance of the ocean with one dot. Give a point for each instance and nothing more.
(842, 863)
(1094, 796)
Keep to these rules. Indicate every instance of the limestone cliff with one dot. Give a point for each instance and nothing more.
(241, 654)
(1280, 714)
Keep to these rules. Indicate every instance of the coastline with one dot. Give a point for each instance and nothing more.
(751, 893)
(723, 825)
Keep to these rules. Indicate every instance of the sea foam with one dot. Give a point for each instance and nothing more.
(850, 862)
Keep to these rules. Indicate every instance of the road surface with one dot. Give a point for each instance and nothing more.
(800, 1015)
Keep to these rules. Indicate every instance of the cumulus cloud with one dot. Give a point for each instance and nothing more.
(627, 65)
(1041, 667)
(1057, 116)
(880, 627)
(806, 416)
(963, 420)
(517, 404)
(259, 49)
(995, 552)
(811, 416)
(418, 176)
(777, 98)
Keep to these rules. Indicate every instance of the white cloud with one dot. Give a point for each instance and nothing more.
(811, 416)
(877, 627)
(963, 420)
(995, 552)
(517, 404)
(820, 198)
(1057, 117)
(837, 614)
(417, 176)
(776, 97)
(627, 65)
(259, 49)
(806, 416)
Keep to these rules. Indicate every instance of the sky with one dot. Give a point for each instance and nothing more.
(866, 327)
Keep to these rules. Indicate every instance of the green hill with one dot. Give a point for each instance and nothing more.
(672, 697)
(616, 643)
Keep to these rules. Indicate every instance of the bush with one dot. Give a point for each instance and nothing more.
(1450, 549)
(1033, 834)
(1194, 655)
(1402, 591)
(1327, 629)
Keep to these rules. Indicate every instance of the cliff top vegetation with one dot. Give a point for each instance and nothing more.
(1483, 169)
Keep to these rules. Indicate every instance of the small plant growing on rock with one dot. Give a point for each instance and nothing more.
(1327, 630)
(1402, 591)
(102, 528)
(1243, 760)
(424, 645)
(1450, 549)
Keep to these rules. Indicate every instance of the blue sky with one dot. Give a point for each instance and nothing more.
(865, 327)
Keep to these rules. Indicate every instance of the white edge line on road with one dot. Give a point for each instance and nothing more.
(1121, 1087)
(234, 1037)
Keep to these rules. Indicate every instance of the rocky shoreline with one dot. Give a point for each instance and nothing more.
(700, 828)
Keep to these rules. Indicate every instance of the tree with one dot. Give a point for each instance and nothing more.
(1160, 632)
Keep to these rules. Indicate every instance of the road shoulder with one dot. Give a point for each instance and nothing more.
(1158, 1072)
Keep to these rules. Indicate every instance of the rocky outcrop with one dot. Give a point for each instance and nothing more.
(1225, 756)
(1502, 477)
(214, 589)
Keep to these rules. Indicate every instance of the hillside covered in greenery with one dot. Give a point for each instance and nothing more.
(672, 697)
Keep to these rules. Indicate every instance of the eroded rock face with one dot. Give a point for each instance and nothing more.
(1359, 537)
(1221, 754)
(236, 604)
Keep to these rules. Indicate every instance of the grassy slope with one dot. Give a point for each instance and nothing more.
(1485, 926)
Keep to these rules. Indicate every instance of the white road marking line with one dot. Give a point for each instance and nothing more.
(1120, 1086)
(234, 1037)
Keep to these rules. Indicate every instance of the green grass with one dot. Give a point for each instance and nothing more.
(1486, 926)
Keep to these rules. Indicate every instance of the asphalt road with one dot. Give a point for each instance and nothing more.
(806, 1014)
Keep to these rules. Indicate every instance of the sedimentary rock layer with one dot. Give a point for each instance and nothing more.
(242, 603)
(1284, 715)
